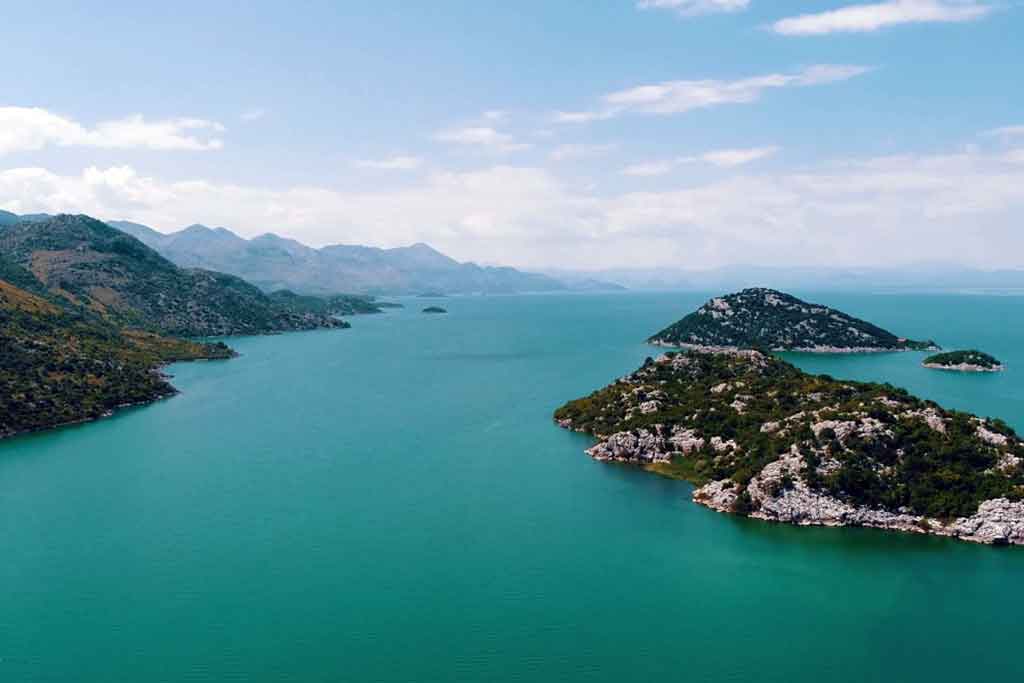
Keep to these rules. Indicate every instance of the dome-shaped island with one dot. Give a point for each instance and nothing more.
(963, 361)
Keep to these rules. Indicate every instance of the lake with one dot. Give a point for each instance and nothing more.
(394, 503)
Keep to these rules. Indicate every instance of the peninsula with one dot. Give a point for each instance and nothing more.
(768, 319)
(61, 366)
(963, 361)
(759, 437)
(89, 315)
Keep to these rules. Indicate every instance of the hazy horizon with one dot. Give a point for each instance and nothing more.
(690, 134)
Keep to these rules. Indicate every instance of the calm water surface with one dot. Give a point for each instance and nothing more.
(393, 503)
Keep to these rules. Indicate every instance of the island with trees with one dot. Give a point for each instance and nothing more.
(759, 437)
(772, 320)
(963, 361)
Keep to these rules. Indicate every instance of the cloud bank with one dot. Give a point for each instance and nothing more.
(689, 8)
(32, 128)
(873, 17)
(961, 207)
(678, 97)
(723, 158)
(396, 163)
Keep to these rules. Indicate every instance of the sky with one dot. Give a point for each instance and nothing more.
(583, 134)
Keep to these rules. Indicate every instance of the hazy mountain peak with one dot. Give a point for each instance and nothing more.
(276, 262)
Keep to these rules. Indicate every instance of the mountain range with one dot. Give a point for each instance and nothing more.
(273, 262)
(86, 264)
(88, 315)
(917, 277)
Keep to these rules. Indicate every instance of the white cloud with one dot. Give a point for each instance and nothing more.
(396, 163)
(582, 116)
(964, 207)
(677, 97)
(1014, 156)
(689, 8)
(727, 158)
(723, 158)
(32, 128)
(572, 152)
(481, 136)
(494, 115)
(653, 168)
(872, 17)
(1005, 132)
(254, 114)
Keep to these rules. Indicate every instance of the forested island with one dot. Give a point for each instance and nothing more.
(759, 437)
(772, 320)
(963, 361)
(434, 309)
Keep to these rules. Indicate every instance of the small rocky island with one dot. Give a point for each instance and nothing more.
(434, 309)
(759, 437)
(772, 320)
(963, 361)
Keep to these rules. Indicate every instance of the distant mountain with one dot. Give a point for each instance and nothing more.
(928, 277)
(275, 262)
(769, 319)
(105, 272)
(580, 281)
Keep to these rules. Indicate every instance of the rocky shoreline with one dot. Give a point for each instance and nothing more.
(166, 391)
(779, 493)
(963, 367)
(799, 349)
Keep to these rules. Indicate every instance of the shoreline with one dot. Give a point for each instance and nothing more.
(963, 367)
(112, 411)
(800, 506)
(823, 350)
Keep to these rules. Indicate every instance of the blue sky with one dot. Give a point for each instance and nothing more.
(690, 133)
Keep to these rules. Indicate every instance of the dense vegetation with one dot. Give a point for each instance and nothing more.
(867, 444)
(99, 269)
(969, 358)
(765, 318)
(59, 366)
(337, 304)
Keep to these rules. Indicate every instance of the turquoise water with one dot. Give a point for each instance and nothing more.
(393, 503)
